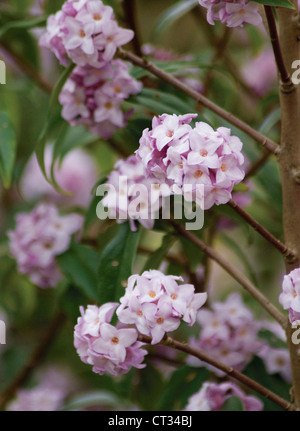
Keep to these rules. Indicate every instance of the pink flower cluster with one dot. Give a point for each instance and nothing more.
(232, 13)
(229, 333)
(49, 395)
(76, 174)
(93, 97)
(212, 397)
(290, 295)
(277, 360)
(155, 303)
(182, 156)
(39, 237)
(86, 32)
(109, 349)
(125, 182)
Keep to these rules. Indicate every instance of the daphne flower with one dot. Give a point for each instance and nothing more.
(155, 303)
(212, 397)
(231, 13)
(290, 296)
(108, 349)
(38, 238)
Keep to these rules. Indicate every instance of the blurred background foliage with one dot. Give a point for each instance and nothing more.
(31, 74)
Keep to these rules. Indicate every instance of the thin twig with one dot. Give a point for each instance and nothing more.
(36, 358)
(283, 72)
(231, 372)
(145, 64)
(235, 273)
(129, 7)
(288, 254)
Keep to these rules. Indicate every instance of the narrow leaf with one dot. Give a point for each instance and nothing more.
(116, 264)
(173, 13)
(8, 146)
(80, 265)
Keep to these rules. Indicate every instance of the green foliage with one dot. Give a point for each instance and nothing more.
(8, 145)
(182, 384)
(173, 13)
(257, 371)
(271, 339)
(279, 3)
(155, 259)
(80, 265)
(233, 404)
(116, 264)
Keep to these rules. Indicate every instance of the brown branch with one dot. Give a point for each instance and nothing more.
(199, 98)
(36, 358)
(231, 372)
(129, 7)
(288, 85)
(235, 273)
(288, 254)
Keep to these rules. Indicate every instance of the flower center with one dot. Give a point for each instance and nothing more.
(160, 320)
(82, 33)
(198, 174)
(117, 89)
(174, 296)
(115, 340)
(48, 245)
(97, 17)
(203, 153)
(108, 105)
(223, 168)
(140, 313)
(170, 133)
(152, 294)
(280, 362)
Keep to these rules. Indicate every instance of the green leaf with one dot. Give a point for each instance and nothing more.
(116, 264)
(161, 102)
(23, 24)
(155, 259)
(182, 384)
(93, 399)
(257, 371)
(271, 339)
(80, 265)
(270, 121)
(173, 13)
(51, 119)
(240, 253)
(233, 404)
(150, 385)
(8, 144)
(280, 3)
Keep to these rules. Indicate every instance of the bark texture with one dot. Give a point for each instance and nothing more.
(289, 161)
